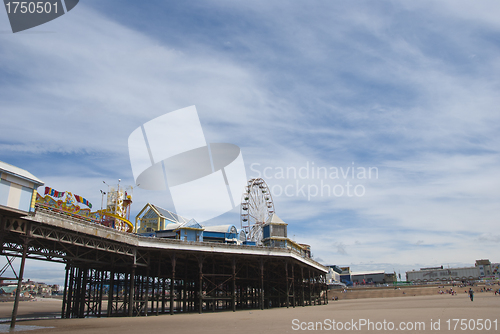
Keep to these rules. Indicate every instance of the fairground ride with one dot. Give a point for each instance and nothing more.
(256, 208)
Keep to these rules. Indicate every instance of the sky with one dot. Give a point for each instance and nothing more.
(311, 91)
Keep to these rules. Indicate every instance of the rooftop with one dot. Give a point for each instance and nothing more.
(8, 168)
(170, 215)
(373, 272)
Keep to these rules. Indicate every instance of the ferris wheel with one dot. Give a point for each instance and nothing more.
(256, 207)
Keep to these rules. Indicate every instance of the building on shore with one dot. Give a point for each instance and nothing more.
(373, 277)
(333, 275)
(29, 288)
(495, 270)
(345, 275)
(445, 274)
(483, 269)
(366, 277)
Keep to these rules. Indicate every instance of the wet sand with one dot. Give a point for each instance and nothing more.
(37, 308)
(281, 320)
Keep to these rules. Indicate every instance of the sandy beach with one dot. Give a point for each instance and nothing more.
(417, 312)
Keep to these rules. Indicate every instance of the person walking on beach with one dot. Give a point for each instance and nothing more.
(471, 294)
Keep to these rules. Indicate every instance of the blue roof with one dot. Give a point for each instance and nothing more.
(169, 215)
(222, 229)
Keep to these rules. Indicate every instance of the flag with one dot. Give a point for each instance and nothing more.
(82, 200)
(53, 192)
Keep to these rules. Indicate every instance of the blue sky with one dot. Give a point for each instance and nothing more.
(408, 88)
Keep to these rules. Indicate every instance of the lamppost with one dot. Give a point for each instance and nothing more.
(106, 184)
(102, 198)
(102, 192)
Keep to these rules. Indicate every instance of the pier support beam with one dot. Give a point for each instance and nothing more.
(287, 286)
(65, 293)
(200, 288)
(261, 301)
(19, 285)
(293, 287)
(131, 292)
(172, 286)
(233, 289)
(111, 291)
(303, 300)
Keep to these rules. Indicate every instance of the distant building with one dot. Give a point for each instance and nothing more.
(333, 275)
(368, 277)
(364, 277)
(450, 274)
(432, 268)
(390, 278)
(8, 290)
(30, 288)
(495, 270)
(345, 275)
(17, 189)
(484, 268)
